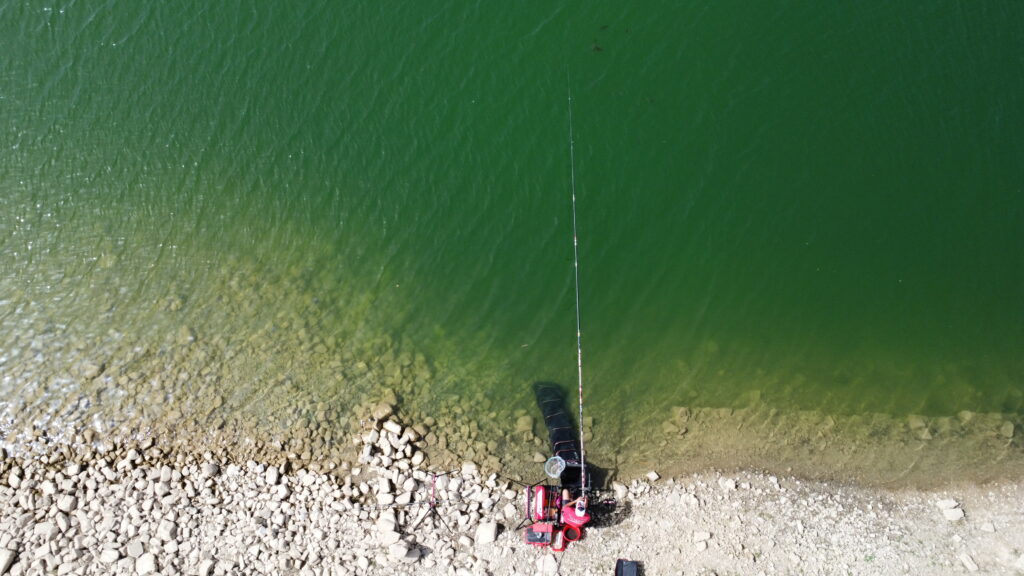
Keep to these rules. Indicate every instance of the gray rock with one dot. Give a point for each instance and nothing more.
(539, 458)
(486, 532)
(145, 564)
(1006, 429)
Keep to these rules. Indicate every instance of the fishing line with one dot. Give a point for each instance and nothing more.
(576, 285)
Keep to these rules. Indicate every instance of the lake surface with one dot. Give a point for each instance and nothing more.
(793, 208)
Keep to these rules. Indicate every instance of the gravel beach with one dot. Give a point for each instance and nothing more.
(142, 509)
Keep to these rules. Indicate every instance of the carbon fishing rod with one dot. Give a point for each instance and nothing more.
(576, 285)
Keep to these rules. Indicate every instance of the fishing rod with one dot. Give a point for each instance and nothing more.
(576, 285)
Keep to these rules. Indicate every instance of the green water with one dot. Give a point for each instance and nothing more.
(814, 207)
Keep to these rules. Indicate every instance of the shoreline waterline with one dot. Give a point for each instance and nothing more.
(209, 513)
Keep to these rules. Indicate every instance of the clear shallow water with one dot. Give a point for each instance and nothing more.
(800, 207)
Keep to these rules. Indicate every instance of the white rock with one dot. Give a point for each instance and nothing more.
(393, 427)
(1019, 564)
(205, 567)
(727, 484)
(67, 503)
(210, 469)
(272, 476)
(988, 527)
(109, 556)
(653, 476)
(953, 514)
(136, 549)
(145, 564)
(371, 437)
(947, 504)
(412, 555)
(510, 511)
(388, 537)
(417, 458)
(701, 536)
(486, 533)
(702, 546)
(47, 530)
(620, 490)
(968, 562)
(6, 559)
(282, 492)
(1006, 429)
(167, 530)
(398, 549)
(547, 565)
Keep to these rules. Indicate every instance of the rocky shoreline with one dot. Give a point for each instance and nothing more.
(146, 510)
